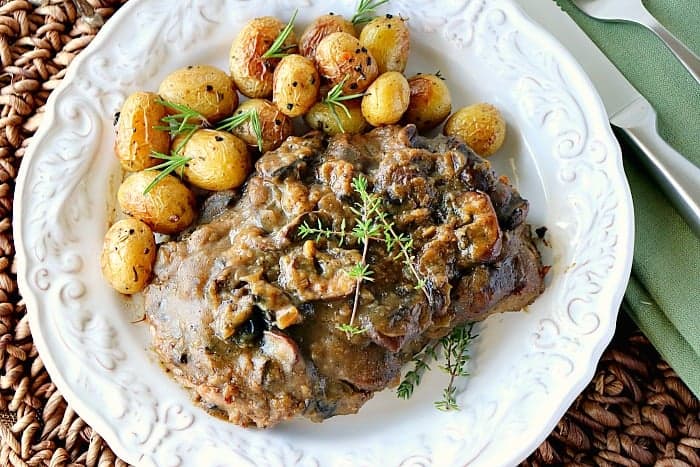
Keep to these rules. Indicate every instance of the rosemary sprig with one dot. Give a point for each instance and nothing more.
(365, 10)
(172, 163)
(238, 119)
(277, 49)
(186, 120)
(455, 349)
(335, 98)
(420, 366)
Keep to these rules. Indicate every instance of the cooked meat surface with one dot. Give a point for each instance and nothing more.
(245, 312)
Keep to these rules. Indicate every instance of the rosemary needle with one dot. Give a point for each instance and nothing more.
(277, 49)
(238, 119)
(365, 11)
(335, 98)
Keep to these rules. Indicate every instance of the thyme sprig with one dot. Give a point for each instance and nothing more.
(335, 98)
(365, 11)
(277, 49)
(185, 121)
(420, 366)
(455, 351)
(371, 224)
(238, 119)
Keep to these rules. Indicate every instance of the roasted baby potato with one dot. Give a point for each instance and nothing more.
(275, 125)
(320, 28)
(295, 85)
(481, 126)
(217, 160)
(128, 254)
(388, 40)
(251, 72)
(137, 136)
(320, 117)
(341, 58)
(430, 102)
(167, 208)
(202, 88)
(386, 99)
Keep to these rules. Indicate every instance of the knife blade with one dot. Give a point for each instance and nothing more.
(627, 110)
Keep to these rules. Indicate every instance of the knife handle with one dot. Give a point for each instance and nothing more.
(679, 178)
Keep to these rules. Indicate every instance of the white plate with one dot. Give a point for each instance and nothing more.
(526, 368)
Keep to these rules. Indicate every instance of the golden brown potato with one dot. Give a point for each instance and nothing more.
(128, 254)
(136, 136)
(251, 72)
(386, 99)
(295, 85)
(321, 118)
(202, 88)
(275, 125)
(481, 126)
(339, 56)
(167, 208)
(320, 28)
(218, 160)
(388, 40)
(430, 102)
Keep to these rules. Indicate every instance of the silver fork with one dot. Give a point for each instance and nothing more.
(634, 11)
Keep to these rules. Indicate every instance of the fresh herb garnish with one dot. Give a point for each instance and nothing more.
(455, 350)
(335, 98)
(371, 223)
(233, 121)
(365, 11)
(172, 163)
(277, 49)
(420, 366)
(350, 330)
(186, 120)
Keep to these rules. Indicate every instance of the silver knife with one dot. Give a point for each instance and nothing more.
(627, 109)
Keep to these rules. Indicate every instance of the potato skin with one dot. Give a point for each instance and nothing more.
(136, 137)
(295, 85)
(218, 160)
(168, 208)
(386, 99)
(276, 126)
(319, 28)
(320, 117)
(430, 102)
(481, 126)
(203, 88)
(340, 56)
(389, 41)
(128, 254)
(251, 72)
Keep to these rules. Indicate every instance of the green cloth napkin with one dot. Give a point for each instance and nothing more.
(663, 296)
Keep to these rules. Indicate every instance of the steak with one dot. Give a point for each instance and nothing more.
(245, 312)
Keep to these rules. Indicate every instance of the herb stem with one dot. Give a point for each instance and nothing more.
(358, 284)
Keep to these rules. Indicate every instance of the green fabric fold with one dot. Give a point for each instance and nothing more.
(663, 295)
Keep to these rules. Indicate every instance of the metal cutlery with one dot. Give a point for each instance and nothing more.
(634, 11)
(627, 110)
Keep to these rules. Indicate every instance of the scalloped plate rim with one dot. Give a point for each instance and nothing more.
(626, 233)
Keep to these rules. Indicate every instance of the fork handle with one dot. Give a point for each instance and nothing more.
(690, 61)
(678, 177)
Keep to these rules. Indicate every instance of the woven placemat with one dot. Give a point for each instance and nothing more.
(635, 411)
